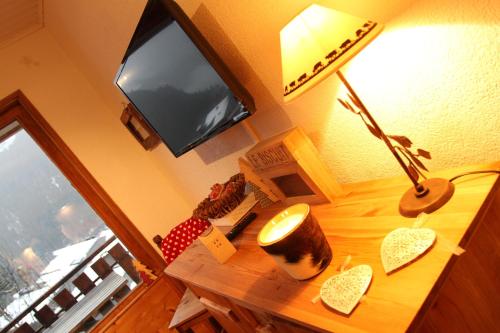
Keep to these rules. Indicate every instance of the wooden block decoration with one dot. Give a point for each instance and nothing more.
(291, 168)
(343, 292)
(403, 245)
(218, 245)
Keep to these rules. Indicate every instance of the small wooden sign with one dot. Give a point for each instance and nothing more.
(269, 156)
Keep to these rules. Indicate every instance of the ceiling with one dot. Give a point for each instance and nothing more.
(19, 18)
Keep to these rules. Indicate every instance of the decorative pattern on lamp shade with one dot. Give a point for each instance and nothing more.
(318, 42)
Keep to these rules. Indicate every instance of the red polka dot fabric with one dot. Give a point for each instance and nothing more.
(180, 237)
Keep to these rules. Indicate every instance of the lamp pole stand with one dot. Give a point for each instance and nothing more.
(426, 196)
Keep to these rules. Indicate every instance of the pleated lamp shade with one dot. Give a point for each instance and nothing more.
(317, 42)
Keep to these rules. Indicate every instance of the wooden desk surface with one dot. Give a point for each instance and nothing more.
(354, 225)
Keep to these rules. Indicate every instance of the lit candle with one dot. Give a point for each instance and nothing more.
(295, 241)
(279, 227)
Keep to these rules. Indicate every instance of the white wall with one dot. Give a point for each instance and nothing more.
(431, 75)
(38, 67)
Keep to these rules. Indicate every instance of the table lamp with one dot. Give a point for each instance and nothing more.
(316, 43)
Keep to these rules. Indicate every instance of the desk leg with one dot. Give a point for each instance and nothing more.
(231, 317)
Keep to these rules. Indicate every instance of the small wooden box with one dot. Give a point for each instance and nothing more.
(290, 166)
(139, 128)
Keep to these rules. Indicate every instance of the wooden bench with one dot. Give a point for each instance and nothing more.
(91, 302)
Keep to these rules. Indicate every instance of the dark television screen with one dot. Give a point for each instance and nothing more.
(173, 85)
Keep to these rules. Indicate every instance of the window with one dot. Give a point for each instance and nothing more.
(46, 227)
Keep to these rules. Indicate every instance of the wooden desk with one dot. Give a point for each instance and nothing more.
(439, 292)
(90, 303)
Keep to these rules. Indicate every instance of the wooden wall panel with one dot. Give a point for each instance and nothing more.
(150, 312)
(468, 300)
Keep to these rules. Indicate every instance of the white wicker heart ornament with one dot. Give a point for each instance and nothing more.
(403, 245)
(342, 292)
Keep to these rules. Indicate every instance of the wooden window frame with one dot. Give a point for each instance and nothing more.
(16, 107)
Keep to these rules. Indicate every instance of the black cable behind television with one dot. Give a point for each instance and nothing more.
(177, 82)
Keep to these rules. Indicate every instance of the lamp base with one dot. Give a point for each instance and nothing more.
(439, 192)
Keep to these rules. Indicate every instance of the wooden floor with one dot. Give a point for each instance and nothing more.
(150, 312)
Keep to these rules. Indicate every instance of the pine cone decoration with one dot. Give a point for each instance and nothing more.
(232, 194)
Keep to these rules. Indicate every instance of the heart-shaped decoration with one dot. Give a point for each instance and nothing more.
(403, 245)
(342, 292)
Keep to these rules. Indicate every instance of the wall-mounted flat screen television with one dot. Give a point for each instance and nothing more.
(177, 82)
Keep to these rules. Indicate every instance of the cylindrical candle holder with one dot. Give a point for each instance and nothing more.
(296, 242)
